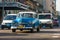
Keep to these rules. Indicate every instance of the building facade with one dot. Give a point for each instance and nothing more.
(24, 3)
(48, 5)
(45, 5)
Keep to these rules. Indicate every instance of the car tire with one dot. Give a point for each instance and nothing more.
(13, 30)
(2, 27)
(38, 29)
(32, 30)
(51, 26)
(21, 30)
(9, 28)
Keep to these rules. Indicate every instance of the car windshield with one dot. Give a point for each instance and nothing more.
(44, 16)
(10, 17)
(28, 15)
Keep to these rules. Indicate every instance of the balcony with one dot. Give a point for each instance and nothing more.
(13, 6)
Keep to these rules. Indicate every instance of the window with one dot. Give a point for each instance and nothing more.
(44, 16)
(11, 17)
(7, 0)
(27, 15)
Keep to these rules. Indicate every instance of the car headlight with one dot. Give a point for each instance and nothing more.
(3, 23)
(12, 27)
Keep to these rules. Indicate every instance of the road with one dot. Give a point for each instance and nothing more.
(44, 34)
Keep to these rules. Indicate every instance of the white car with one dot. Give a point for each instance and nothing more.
(45, 19)
(7, 21)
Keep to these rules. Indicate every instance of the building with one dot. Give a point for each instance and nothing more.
(39, 6)
(45, 5)
(48, 5)
(11, 6)
(14, 6)
(15, 3)
(33, 5)
(51, 5)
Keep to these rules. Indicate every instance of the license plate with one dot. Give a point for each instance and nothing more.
(21, 26)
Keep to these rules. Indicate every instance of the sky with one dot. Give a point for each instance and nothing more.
(58, 5)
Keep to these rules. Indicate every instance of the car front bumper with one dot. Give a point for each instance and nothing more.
(24, 28)
(5, 26)
(45, 24)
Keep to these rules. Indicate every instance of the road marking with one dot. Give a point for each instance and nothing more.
(58, 30)
(55, 36)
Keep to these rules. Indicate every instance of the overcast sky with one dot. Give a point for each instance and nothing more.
(58, 5)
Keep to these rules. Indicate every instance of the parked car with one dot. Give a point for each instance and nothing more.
(7, 21)
(46, 20)
(26, 21)
(55, 22)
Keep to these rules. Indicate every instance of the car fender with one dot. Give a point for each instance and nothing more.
(36, 23)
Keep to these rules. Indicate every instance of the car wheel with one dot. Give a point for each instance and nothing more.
(2, 27)
(32, 30)
(13, 30)
(51, 26)
(9, 28)
(21, 30)
(38, 29)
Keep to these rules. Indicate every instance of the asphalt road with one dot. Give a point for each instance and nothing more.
(44, 34)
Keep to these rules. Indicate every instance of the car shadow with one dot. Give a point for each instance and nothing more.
(25, 33)
(12, 34)
(29, 38)
(39, 32)
(49, 32)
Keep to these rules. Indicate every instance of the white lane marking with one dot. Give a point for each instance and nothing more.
(58, 30)
(55, 36)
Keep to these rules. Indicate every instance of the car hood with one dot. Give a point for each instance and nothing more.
(24, 20)
(7, 21)
(27, 19)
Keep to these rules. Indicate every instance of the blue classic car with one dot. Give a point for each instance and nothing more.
(26, 21)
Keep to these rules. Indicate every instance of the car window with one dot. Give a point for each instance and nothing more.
(10, 17)
(44, 16)
(28, 15)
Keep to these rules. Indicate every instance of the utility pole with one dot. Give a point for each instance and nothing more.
(3, 10)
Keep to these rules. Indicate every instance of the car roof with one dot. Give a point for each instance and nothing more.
(11, 14)
(44, 14)
(27, 12)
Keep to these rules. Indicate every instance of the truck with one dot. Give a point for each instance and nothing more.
(26, 20)
(46, 20)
